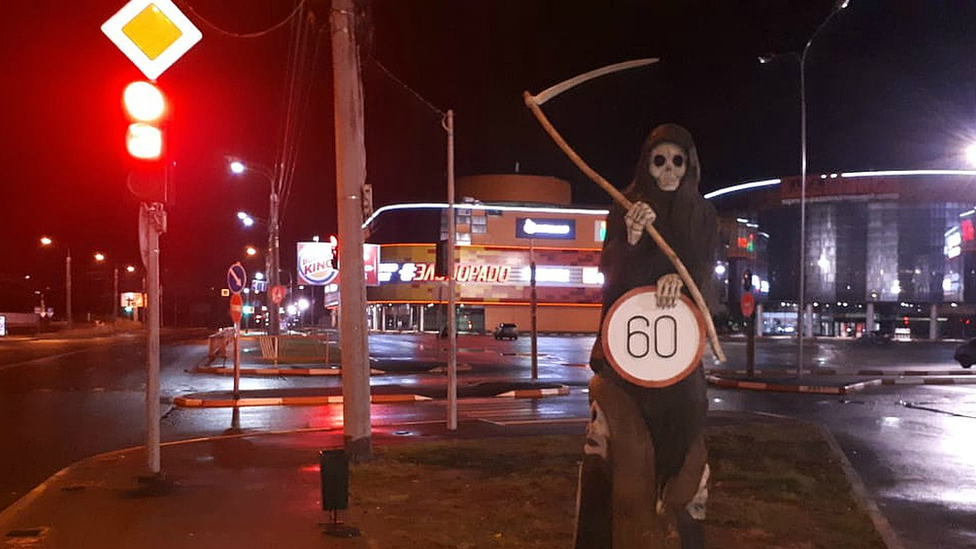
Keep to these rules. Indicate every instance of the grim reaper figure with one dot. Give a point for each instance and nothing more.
(645, 458)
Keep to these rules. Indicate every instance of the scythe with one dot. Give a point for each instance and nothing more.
(535, 102)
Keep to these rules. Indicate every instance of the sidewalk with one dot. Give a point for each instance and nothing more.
(239, 490)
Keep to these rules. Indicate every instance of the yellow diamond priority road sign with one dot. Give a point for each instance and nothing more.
(153, 34)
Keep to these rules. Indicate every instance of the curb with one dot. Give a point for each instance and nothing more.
(834, 372)
(791, 388)
(881, 524)
(535, 393)
(933, 380)
(225, 370)
(190, 402)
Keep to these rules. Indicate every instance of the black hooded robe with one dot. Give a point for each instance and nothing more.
(675, 415)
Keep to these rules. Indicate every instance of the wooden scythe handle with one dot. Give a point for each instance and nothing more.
(531, 103)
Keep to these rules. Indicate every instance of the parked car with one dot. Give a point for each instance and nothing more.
(506, 330)
(965, 354)
(875, 338)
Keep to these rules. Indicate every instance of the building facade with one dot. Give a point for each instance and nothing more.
(504, 225)
(884, 251)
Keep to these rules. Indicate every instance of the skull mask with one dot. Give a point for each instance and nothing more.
(668, 165)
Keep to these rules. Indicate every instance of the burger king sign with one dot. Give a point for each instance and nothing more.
(315, 263)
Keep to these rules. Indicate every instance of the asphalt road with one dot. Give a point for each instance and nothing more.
(62, 400)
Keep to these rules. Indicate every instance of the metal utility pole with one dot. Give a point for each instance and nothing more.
(350, 178)
(152, 223)
(534, 303)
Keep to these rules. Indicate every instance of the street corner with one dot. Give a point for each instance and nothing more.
(833, 385)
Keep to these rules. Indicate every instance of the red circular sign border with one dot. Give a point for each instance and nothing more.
(643, 382)
(238, 310)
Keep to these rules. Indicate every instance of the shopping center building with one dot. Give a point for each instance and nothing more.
(889, 251)
(884, 251)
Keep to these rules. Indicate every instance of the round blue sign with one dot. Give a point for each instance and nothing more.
(236, 278)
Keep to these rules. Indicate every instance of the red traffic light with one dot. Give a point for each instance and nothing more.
(143, 102)
(145, 106)
(144, 141)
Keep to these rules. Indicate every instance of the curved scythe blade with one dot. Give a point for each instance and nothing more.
(559, 88)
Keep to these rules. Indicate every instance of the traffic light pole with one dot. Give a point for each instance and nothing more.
(152, 224)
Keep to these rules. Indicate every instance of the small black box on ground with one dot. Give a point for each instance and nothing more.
(334, 470)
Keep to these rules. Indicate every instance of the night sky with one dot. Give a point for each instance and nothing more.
(890, 85)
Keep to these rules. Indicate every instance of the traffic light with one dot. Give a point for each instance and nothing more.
(746, 280)
(145, 106)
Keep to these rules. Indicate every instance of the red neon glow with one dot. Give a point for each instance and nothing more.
(968, 232)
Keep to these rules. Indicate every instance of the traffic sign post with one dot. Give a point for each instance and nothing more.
(236, 308)
(651, 346)
(747, 304)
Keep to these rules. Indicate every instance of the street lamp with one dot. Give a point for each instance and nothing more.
(801, 305)
(116, 296)
(45, 241)
(238, 167)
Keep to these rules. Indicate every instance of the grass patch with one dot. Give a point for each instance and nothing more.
(773, 486)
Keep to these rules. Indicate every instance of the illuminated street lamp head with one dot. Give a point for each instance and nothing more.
(971, 154)
(45, 241)
(237, 167)
(251, 251)
(246, 219)
(130, 269)
(99, 256)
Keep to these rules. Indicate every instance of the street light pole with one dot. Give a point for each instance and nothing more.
(238, 167)
(273, 243)
(67, 286)
(801, 304)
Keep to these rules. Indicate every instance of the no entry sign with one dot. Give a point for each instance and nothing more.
(747, 304)
(651, 346)
(236, 308)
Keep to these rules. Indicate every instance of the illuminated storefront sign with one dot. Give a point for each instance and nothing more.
(568, 276)
(562, 229)
(315, 263)
(424, 272)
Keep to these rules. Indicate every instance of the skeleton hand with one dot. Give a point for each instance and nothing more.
(639, 215)
(668, 289)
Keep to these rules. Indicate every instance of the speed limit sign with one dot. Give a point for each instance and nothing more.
(651, 346)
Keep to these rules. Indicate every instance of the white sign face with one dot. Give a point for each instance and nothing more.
(153, 34)
(651, 346)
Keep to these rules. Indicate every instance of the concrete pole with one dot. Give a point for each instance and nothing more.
(350, 178)
(451, 306)
(869, 318)
(934, 322)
